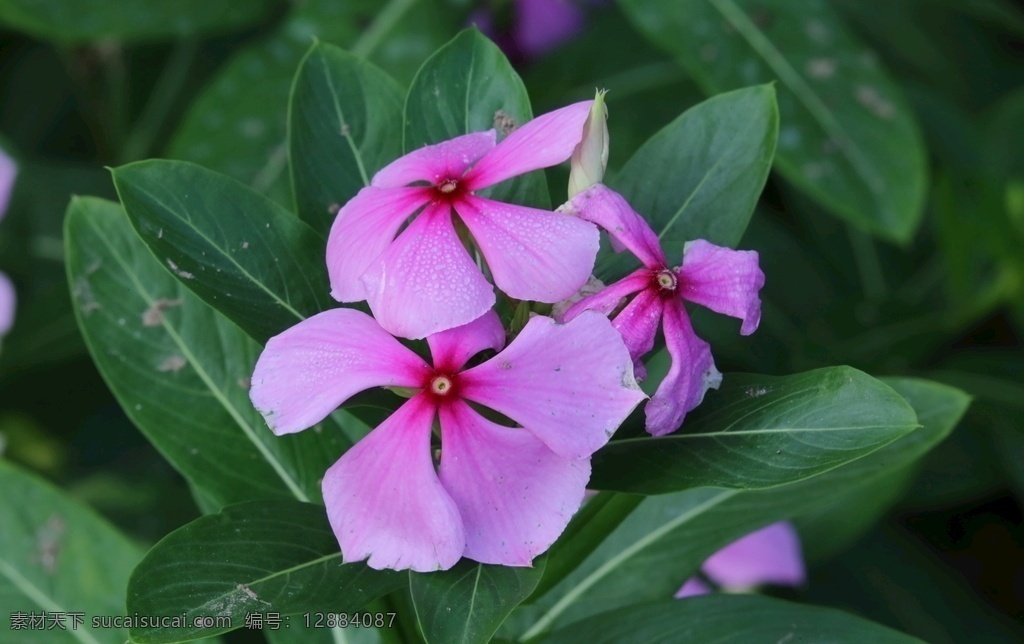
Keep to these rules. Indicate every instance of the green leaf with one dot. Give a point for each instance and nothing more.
(344, 124)
(72, 21)
(58, 556)
(701, 175)
(724, 618)
(468, 602)
(847, 139)
(240, 252)
(180, 370)
(260, 556)
(466, 86)
(761, 431)
(663, 542)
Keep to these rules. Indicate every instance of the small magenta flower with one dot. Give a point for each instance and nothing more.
(8, 173)
(423, 279)
(769, 556)
(724, 280)
(500, 494)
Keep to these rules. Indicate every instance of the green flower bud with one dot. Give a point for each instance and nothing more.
(590, 157)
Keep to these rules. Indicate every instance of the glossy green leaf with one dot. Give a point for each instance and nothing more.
(724, 618)
(344, 124)
(469, 86)
(69, 21)
(180, 370)
(761, 431)
(701, 175)
(57, 556)
(261, 556)
(847, 137)
(240, 252)
(650, 555)
(468, 603)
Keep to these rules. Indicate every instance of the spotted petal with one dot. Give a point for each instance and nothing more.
(724, 280)
(305, 372)
(452, 348)
(533, 254)
(426, 281)
(434, 163)
(571, 384)
(625, 226)
(385, 502)
(514, 494)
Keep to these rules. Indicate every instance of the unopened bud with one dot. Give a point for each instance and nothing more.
(590, 157)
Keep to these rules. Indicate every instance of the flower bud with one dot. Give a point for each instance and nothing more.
(590, 157)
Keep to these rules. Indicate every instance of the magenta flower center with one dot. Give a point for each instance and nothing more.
(666, 280)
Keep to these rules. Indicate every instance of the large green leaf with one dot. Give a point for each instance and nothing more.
(180, 370)
(650, 554)
(847, 139)
(57, 556)
(240, 252)
(69, 21)
(344, 124)
(761, 431)
(469, 86)
(469, 602)
(261, 557)
(701, 175)
(723, 618)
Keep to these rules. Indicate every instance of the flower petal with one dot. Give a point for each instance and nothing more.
(305, 372)
(8, 173)
(542, 25)
(435, 163)
(693, 587)
(542, 142)
(452, 348)
(425, 281)
(692, 373)
(627, 229)
(724, 280)
(608, 299)
(770, 555)
(533, 254)
(363, 229)
(638, 322)
(514, 494)
(571, 384)
(385, 502)
(8, 298)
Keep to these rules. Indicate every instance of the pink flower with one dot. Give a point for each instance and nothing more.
(7, 304)
(423, 280)
(500, 494)
(770, 555)
(726, 281)
(8, 172)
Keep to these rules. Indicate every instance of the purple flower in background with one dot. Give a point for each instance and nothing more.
(769, 556)
(499, 494)
(538, 26)
(8, 172)
(724, 280)
(7, 303)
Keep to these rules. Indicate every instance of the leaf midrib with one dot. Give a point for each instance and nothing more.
(41, 599)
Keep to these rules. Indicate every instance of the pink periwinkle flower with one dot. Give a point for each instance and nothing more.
(500, 494)
(724, 280)
(423, 279)
(770, 555)
(8, 172)
(7, 304)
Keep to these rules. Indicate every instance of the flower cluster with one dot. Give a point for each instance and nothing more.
(517, 421)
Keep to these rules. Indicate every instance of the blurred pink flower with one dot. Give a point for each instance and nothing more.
(537, 26)
(7, 304)
(8, 172)
(500, 495)
(724, 280)
(423, 280)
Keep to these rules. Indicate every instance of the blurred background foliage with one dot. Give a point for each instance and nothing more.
(937, 294)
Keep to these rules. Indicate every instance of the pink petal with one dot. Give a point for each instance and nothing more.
(425, 281)
(305, 372)
(724, 280)
(8, 298)
(363, 229)
(8, 172)
(606, 300)
(435, 163)
(385, 502)
(514, 494)
(533, 254)
(543, 142)
(770, 555)
(693, 587)
(452, 348)
(571, 384)
(627, 228)
(638, 322)
(542, 25)
(692, 373)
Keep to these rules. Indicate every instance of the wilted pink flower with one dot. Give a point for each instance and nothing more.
(770, 555)
(500, 494)
(424, 280)
(726, 281)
